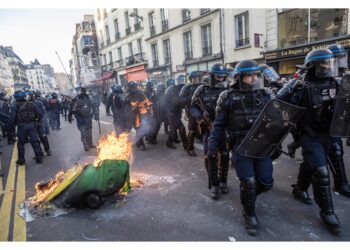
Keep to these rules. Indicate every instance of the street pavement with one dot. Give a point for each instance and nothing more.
(172, 204)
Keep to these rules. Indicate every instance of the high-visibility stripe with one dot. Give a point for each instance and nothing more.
(5, 210)
(19, 227)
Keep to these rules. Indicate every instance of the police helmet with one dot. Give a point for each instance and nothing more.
(248, 68)
(2, 94)
(54, 95)
(322, 62)
(181, 79)
(19, 94)
(117, 89)
(218, 69)
(340, 54)
(170, 82)
(149, 84)
(161, 87)
(196, 76)
(132, 86)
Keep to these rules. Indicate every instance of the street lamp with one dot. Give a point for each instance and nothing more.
(133, 14)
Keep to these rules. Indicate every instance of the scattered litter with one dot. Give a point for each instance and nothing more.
(231, 238)
(88, 238)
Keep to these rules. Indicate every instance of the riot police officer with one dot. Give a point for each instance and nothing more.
(83, 108)
(150, 93)
(54, 111)
(5, 109)
(136, 108)
(173, 111)
(316, 93)
(40, 125)
(186, 94)
(24, 114)
(65, 106)
(115, 102)
(159, 109)
(271, 78)
(236, 111)
(203, 110)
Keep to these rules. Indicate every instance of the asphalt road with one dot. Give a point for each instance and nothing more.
(173, 204)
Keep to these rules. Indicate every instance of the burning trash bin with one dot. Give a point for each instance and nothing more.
(87, 185)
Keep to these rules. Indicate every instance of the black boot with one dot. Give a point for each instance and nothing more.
(38, 151)
(304, 181)
(323, 197)
(90, 143)
(20, 162)
(224, 163)
(45, 142)
(213, 176)
(336, 163)
(248, 197)
(190, 144)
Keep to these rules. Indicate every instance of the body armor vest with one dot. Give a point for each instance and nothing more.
(26, 112)
(210, 97)
(83, 106)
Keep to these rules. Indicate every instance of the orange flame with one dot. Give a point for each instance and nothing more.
(142, 108)
(43, 190)
(114, 148)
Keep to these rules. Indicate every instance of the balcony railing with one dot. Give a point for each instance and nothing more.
(165, 25)
(117, 36)
(242, 42)
(188, 55)
(203, 11)
(152, 30)
(206, 51)
(137, 26)
(119, 64)
(129, 60)
(128, 31)
(155, 63)
(140, 57)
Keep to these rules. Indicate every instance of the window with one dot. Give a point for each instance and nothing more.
(127, 23)
(188, 45)
(104, 13)
(328, 23)
(108, 41)
(166, 50)
(164, 19)
(120, 55)
(137, 18)
(206, 39)
(186, 15)
(116, 29)
(139, 45)
(293, 28)
(151, 23)
(155, 54)
(242, 30)
(130, 49)
(110, 57)
(101, 39)
(203, 11)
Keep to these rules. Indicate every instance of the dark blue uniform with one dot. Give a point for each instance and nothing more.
(115, 102)
(25, 114)
(54, 113)
(83, 108)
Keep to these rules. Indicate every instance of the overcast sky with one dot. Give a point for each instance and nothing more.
(38, 33)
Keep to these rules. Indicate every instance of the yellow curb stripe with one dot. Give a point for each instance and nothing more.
(19, 227)
(5, 210)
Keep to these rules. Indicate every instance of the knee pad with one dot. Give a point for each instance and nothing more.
(262, 186)
(321, 176)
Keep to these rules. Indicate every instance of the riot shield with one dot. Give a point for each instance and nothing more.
(269, 129)
(340, 126)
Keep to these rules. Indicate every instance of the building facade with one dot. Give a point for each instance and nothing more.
(121, 45)
(17, 66)
(63, 83)
(182, 40)
(244, 34)
(292, 33)
(37, 78)
(6, 79)
(85, 65)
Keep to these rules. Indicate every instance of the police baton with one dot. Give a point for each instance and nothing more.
(99, 126)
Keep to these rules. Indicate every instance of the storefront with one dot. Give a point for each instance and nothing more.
(137, 74)
(302, 30)
(103, 83)
(160, 74)
(285, 60)
(202, 64)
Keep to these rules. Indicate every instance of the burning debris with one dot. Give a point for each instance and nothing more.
(88, 184)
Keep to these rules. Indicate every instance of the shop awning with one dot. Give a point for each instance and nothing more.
(105, 76)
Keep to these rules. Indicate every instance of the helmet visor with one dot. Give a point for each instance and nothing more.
(343, 61)
(327, 67)
(271, 75)
(253, 79)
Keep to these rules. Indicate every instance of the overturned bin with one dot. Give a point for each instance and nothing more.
(87, 185)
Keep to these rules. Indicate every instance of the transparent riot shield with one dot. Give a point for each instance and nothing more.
(340, 126)
(269, 129)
